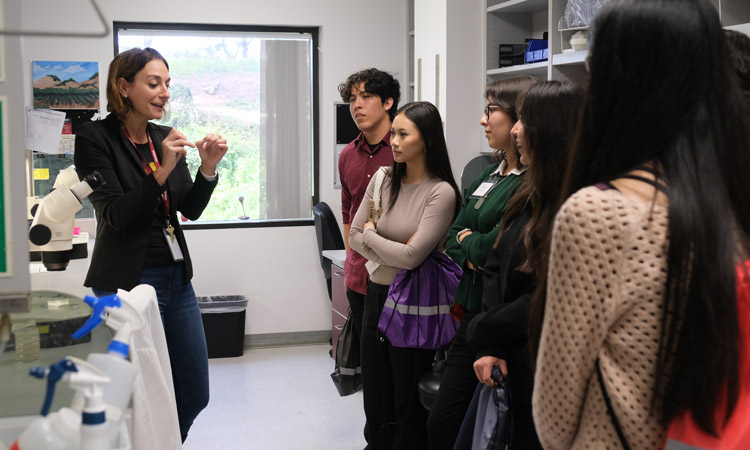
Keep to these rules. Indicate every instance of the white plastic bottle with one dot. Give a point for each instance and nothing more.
(124, 319)
(57, 431)
(117, 395)
(90, 381)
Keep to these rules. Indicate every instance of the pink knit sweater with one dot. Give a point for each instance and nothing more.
(607, 273)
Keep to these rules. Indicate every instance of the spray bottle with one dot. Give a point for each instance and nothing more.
(66, 429)
(119, 314)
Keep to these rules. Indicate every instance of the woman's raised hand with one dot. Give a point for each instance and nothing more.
(211, 149)
(173, 148)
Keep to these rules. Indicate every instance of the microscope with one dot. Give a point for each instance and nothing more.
(52, 227)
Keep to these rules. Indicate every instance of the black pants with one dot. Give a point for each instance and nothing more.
(456, 389)
(395, 417)
(357, 306)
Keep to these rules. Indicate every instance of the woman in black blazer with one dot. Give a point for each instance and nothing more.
(139, 239)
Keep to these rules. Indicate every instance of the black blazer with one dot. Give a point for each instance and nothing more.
(124, 205)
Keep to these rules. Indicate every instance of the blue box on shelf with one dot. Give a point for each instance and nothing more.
(536, 50)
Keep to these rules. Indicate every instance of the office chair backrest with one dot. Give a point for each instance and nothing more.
(472, 170)
(328, 234)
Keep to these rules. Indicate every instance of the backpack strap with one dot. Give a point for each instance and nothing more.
(611, 411)
(377, 210)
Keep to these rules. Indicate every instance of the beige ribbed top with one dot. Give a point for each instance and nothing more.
(607, 272)
(425, 208)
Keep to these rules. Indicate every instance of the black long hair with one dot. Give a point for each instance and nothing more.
(548, 113)
(426, 118)
(661, 91)
(739, 57)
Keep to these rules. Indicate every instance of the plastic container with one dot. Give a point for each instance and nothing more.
(579, 41)
(57, 431)
(57, 316)
(579, 13)
(117, 394)
(224, 324)
(26, 336)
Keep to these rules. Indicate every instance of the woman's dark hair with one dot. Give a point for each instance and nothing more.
(426, 118)
(126, 65)
(739, 57)
(661, 91)
(549, 114)
(505, 93)
(376, 82)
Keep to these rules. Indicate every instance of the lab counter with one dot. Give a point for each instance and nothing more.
(22, 394)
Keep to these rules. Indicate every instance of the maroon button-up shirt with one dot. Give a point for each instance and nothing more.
(357, 164)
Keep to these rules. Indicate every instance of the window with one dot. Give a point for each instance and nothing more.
(256, 86)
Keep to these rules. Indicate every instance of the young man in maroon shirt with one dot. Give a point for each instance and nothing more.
(373, 100)
(373, 97)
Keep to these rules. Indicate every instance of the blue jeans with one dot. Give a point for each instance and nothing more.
(186, 340)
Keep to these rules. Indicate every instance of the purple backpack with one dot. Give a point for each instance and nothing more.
(417, 310)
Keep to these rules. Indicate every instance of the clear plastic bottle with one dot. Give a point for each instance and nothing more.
(57, 431)
(27, 340)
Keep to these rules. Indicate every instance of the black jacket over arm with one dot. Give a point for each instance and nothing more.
(124, 205)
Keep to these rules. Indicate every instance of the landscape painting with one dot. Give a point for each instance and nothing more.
(66, 84)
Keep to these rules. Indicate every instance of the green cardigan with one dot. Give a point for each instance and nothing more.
(485, 225)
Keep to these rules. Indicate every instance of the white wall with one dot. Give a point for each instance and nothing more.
(430, 41)
(276, 268)
(454, 30)
(465, 79)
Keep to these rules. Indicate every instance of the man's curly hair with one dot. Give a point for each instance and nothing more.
(376, 82)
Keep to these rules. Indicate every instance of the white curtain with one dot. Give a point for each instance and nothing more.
(286, 128)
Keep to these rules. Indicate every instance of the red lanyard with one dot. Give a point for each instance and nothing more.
(147, 166)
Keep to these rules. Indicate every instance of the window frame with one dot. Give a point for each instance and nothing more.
(312, 31)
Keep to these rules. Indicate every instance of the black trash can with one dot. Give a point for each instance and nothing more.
(224, 324)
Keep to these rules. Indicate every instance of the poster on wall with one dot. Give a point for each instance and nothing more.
(65, 84)
(5, 245)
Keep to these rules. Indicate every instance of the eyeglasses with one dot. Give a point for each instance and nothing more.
(488, 109)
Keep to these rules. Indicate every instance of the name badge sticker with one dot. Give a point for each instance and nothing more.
(482, 189)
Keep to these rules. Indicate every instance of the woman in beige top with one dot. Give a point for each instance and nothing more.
(640, 321)
(419, 200)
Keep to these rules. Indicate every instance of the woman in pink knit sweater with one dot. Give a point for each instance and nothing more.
(640, 322)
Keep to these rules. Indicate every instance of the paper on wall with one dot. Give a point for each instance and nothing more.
(44, 130)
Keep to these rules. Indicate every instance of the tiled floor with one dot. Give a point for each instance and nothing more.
(278, 399)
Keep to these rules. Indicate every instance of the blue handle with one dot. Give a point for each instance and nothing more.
(54, 374)
(98, 304)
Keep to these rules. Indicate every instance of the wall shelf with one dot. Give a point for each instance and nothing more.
(518, 6)
(537, 70)
(562, 59)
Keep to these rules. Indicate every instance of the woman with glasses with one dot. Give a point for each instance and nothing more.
(469, 241)
(499, 335)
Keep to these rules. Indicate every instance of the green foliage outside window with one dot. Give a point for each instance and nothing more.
(230, 107)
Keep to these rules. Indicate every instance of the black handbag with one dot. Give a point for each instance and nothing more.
(348, 374)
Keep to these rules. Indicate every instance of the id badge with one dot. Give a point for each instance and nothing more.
(174, 247)
(482, 189)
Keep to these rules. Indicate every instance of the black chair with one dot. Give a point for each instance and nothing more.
(329, 237)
